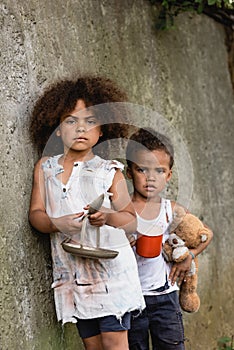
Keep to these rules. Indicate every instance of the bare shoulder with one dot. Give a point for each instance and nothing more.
(177, 207)
(39, 163)
(119, 174)
(38, 167)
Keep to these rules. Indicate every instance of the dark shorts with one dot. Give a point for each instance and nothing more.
(91, 327)
(162, 319)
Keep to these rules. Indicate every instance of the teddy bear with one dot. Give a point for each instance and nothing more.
(186, 232)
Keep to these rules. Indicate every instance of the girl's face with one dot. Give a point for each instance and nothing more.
(80, 130)
(150, 173)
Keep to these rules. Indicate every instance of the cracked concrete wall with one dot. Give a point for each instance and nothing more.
(182, 74)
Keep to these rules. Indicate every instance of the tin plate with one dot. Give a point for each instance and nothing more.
(88, 252)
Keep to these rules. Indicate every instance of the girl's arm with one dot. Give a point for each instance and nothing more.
(37, 213)
(123, 215)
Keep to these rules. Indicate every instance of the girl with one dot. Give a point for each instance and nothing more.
(98, 294)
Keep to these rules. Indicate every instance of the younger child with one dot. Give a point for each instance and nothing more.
(150, 159)
(98, 294)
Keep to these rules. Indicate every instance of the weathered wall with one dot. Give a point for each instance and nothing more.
(182, 74)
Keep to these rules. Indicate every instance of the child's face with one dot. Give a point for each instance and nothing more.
(150, 172)
(80, 130)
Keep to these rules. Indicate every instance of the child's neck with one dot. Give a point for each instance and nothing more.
(67, 161)
(72, 157)
(147, 208)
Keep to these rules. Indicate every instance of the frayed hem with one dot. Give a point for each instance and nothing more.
(68, 320)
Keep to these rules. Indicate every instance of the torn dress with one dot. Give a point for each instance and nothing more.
(89, 288)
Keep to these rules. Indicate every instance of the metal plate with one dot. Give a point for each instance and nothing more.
(88, 252)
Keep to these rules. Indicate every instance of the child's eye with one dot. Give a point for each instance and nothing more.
(160, 170)
(141, 170)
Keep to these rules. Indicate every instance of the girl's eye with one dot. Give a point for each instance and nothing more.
(91, 121)
(69, 121)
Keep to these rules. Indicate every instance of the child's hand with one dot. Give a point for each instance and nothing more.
(68, 223)
(179, 271)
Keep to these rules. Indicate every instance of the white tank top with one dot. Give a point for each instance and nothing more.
(154, 272)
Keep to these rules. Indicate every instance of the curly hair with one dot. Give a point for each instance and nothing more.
(60, 99)
(147, 138)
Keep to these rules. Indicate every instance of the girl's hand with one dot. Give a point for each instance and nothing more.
(179, 271)
(98, 219)
(68, 223)
(132, 239)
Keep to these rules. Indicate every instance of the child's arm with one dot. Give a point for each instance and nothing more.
(123, 215)
(37, 213)
(179, 270)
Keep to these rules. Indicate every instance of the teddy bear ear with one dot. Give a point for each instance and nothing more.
(204, 234)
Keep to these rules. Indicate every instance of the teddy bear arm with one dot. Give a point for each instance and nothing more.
(167, 252)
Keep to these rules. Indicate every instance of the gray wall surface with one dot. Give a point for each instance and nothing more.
(182, 74)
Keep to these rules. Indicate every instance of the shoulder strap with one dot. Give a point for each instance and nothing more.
(168, 209)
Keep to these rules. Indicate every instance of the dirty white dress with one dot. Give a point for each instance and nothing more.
(89, 288)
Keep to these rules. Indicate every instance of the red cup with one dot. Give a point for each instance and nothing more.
(149, 246)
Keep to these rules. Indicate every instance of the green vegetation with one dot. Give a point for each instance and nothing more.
(226, 343)
(220, 10)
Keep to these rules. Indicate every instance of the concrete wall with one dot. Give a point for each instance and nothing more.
(182, 74)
